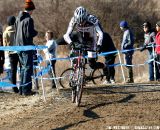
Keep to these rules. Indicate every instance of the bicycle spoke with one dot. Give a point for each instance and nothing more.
(65, 78)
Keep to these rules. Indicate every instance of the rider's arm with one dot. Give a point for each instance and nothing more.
(93, 19)
(61, 41)
(69, 31)
(100, 35)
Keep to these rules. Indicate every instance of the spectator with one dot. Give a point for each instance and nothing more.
(108, 46)
(149, 42)
(8, 40)
(50, 53)
(24, 35)
(1, 52)
(158, 44)
(127, 44)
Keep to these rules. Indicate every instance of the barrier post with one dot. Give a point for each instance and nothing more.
(0, 81)
(43, 89)
(154, 63)
(120, 61)
(35, 79)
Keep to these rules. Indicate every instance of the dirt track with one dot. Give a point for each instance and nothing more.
(102, 108)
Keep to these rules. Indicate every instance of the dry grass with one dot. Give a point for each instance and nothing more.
(55, 14)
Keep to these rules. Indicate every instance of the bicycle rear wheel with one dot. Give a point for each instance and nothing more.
(66, 76)
(97, 76)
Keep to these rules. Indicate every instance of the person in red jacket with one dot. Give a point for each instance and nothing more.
(157, 49)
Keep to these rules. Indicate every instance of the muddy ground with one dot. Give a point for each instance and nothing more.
(103, 107)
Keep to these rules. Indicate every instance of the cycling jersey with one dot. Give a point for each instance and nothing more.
(90, 31)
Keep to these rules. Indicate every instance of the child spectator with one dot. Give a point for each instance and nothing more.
(8, 40)
(50, 53)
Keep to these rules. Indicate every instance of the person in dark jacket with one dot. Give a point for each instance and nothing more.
(24, 35)
(108, 46)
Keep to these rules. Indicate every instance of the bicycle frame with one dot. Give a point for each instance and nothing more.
(77, 78)
(80, 56)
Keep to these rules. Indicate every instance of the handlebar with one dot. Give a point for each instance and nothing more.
(82, 47)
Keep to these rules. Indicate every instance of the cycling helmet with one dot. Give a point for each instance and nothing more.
(80, 14)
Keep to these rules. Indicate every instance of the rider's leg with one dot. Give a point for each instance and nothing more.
(109, 70)
(95, 65)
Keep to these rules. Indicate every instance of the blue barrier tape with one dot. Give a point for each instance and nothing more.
(148, 61)
(117, 64)
(67, 58)
(9, 85)
(107, 53)
(43, 72)
(101, 54)
(56, 78)
(22, 48)
(46, 70)
(6, 85)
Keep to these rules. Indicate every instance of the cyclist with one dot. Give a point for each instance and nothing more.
(89, 33)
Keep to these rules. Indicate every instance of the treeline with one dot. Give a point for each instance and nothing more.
(56, 14)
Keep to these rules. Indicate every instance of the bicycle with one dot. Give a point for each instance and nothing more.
(95, 76)
(76, 77)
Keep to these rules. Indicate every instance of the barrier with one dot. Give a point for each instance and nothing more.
(45, 70)
(22, 48)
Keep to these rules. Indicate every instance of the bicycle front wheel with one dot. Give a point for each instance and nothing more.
(79, 94)
(65, 78)
(97, 76)
(79, 87)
